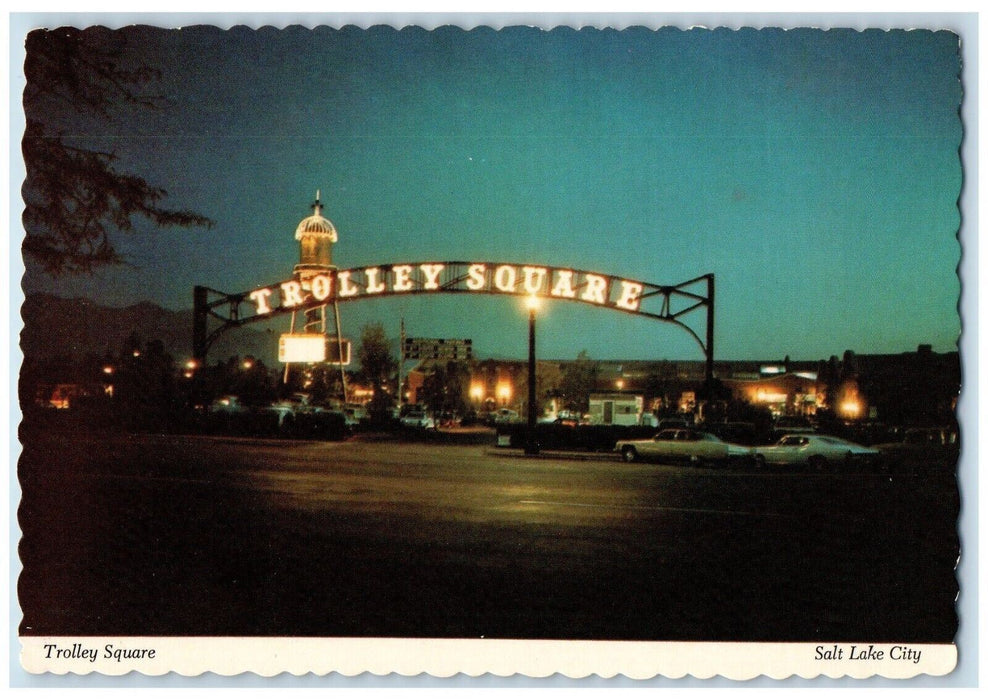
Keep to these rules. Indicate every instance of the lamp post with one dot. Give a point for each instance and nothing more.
(531, 444)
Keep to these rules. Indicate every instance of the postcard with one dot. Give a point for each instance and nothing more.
(575, 350)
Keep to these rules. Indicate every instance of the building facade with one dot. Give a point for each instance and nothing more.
(912, 388)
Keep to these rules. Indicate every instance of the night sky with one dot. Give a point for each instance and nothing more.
(815, 173)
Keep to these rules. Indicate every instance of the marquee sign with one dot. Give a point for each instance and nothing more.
(484, 278)
(313, 347)
(302, 347)
(316, 288)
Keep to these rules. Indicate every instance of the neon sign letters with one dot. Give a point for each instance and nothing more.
(315, 288)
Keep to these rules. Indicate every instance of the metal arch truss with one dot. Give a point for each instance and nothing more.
(679, 304)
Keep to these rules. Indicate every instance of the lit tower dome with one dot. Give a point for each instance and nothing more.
(315, 235)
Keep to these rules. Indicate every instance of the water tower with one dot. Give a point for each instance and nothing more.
(316, 235)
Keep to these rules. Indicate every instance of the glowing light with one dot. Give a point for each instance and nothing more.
(534, 279)
(322, 286)
(630, 295)
(374, 286)
(476, 392)
(108, 370)
(596, 290)
(431, 273)
(291, 293)
(347, 288)
(505, 278)
(564, 283)
(260, 297)
(403, 278)
(851, 408)
(475, 279)
(302, 347)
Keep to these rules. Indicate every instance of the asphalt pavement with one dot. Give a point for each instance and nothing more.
(172, 535)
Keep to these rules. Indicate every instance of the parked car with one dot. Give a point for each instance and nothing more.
(352, 417)
(448, 419)
(418, 419)
(814, 451)
(930, 436)
(355, 413)
(687, 445)
(284, 411)
(506, 415)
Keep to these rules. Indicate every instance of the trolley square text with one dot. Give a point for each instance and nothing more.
(79, 651)
(322, 286)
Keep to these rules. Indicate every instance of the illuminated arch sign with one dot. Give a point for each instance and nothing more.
(313, 288)
(417, 278)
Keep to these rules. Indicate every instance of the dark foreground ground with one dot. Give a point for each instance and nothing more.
(165, 535)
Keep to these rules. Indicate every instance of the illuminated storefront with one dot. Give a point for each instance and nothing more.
(784, 394)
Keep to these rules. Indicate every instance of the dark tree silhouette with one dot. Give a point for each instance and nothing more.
(578, 381)
(377, 363)
(74, 197)
(447, 388)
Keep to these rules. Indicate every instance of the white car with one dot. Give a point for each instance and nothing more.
(418, 419)
(506, 415)
(681, 444)
(815, 451)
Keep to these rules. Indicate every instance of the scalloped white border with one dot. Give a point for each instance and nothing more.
(270, 656)
(189, 656)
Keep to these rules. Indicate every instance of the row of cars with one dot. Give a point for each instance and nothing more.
(796, 449)
(414, 416)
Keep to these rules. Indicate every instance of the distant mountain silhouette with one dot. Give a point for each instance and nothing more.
(78, 327)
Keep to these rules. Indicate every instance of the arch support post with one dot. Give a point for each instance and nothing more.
(710, 328)
(200, 312)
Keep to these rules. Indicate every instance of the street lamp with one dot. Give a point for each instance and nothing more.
(531, 444)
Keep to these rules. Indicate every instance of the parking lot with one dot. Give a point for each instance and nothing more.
(172, 535)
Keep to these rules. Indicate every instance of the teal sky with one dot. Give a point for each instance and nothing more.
(815, 173)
